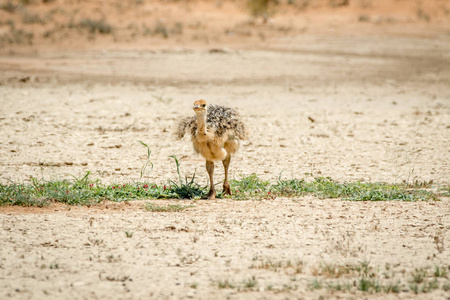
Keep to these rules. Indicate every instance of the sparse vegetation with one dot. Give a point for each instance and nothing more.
(166, 208)
(53, 266)
(246, 285)
(17, 36)
(315, 284)
(422, 15)
(445, 191)
(419, 275)
(193, 285)
(87, 191)
(287, 267)
(260, 8)
(250, 283)
(30, 18)
(358, 191)
(225, 284)
(425, 280)
(357, 277)
(9, 6)
(325, 187)
(363, 18)
(144, 167)
(440, 271)
(94, 26)
(161, 29)
(187, 189)
(364, 277)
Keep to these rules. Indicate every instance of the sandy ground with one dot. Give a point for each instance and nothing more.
(372, 109)
(85, 253)
(350, 106)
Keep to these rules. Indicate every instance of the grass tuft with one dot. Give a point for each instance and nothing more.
(225, 284)
(94, 26)
(187, 189)
(250, 283)
(144, 167)
(439, 271)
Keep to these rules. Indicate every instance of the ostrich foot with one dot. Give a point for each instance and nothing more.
(211, 194)
(226, 189)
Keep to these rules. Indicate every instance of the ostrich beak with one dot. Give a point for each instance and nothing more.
(198, 107)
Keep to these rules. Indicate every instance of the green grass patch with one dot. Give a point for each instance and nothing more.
(250, 187)
(79, 191)
(85, 191)
(325, 187)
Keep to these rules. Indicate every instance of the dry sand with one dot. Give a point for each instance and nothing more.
(350, 106)
(186, 255)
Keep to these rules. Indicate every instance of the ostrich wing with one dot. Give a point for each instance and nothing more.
(189, 123)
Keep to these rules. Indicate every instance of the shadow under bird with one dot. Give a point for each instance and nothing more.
(215, 133)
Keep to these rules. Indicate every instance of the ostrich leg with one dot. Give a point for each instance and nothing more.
(210, 169)
(226, 184)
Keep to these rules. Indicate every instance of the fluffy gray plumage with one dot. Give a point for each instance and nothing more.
(220, 120)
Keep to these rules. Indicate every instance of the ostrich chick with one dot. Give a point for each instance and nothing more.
(215, 134)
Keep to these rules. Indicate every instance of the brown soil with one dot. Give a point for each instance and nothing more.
(357, 92)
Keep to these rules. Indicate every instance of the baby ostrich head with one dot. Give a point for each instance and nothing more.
(200, 106)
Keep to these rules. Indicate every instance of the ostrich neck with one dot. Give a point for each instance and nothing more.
(201, 122)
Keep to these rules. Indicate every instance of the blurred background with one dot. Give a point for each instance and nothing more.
(80, 24)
